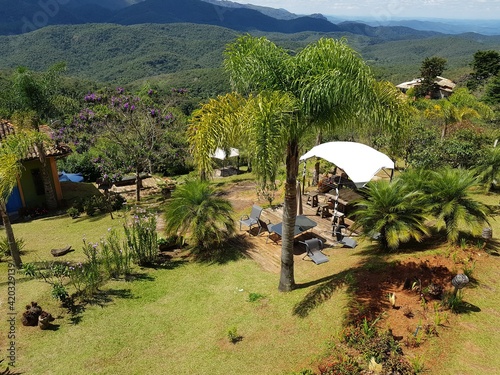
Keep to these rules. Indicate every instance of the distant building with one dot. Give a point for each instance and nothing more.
(445, 86)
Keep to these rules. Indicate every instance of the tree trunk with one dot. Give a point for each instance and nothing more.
(444, 131)
(287, 279)
(138, 186)
(14, 250)
(50, 193)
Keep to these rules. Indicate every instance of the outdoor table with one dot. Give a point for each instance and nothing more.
(302, 224)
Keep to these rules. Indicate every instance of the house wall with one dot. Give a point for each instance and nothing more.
(32, 184)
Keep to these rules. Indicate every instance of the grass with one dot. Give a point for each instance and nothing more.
(167, 320)
(472, 346)
(176, 319)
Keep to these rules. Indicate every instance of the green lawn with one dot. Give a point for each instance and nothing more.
(175, 320)
(168, 320)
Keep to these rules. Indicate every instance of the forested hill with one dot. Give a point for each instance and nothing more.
(114, 53)
(107, 52)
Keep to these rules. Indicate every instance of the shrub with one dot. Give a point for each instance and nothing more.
(116, 200)
(253, 297)
(232, 335)
(398, 365)
(115, 257)
(340, 364)
(29, 269)
(59, 292)
(91, 270)
(142, 239)
(195, 208)
(73, 212)
(4, 245)
(90, 205)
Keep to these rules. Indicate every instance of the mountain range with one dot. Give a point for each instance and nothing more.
(21, 16)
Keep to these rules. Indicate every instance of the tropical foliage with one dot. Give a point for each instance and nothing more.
(399, 211)
(392, 213)
(451, 201)
(488, 167)
(128, 133)
(195, 211)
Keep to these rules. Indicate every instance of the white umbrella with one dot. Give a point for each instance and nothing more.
(359, 161)
(221, 154)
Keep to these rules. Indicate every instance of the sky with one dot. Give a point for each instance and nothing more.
(385, 10)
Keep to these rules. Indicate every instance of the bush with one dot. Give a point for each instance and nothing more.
(116, 201)
(197, 210)
(4, 245)
(232, 335)
(340, 364)
(115, 257)
(73, 212)
(142, 239)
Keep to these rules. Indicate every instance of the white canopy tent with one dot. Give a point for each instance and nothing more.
(221, 154)
(359, 161)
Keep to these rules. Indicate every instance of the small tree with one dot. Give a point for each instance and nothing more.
(492, 94)
(451, 202)
(486, 64)
(195, 210)
(393, 213)
(125, 130)
(430, 69)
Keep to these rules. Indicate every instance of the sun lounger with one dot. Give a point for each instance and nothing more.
(313, 251)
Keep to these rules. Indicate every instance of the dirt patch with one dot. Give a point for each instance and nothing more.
(418, 285)
(149, 187)
(242, 195)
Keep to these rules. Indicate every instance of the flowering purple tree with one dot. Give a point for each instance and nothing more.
(127, 132)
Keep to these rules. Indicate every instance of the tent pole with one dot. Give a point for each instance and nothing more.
(304, 178)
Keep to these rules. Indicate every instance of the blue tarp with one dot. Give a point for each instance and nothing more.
(72, 177)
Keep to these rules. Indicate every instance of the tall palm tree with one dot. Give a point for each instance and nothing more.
(280, 99)
(12, 150)
(452, 202)
(393, 212)
(196, 210)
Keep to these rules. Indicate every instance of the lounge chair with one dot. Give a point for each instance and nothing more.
(253, 219)
(313, 251)
(346, 241)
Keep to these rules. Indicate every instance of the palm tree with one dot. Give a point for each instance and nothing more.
(196, 210)
(488, 168)
(36, 98)
(280, 99)
(393, 213)
(12, 150)
(450, 192)
(459, 107)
